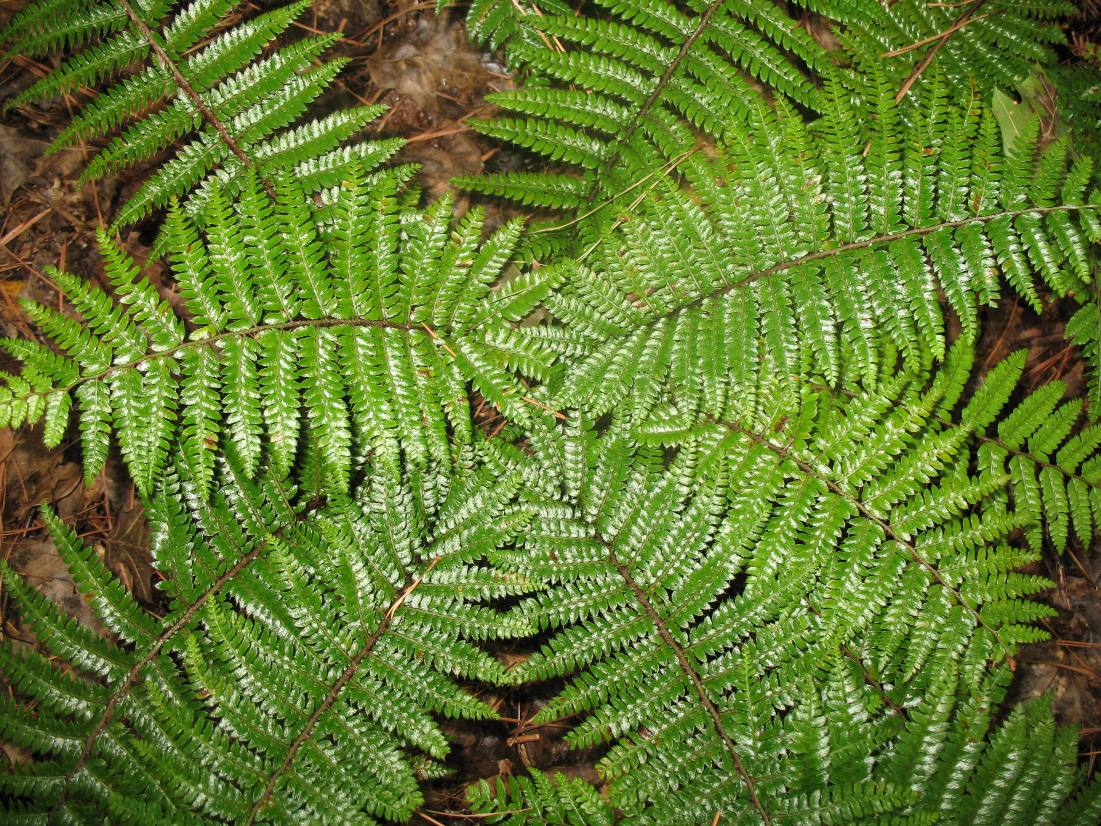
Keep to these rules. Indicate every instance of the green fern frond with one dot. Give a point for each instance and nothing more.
(819, 253)
(306, 652)
(774, 542)
(978, 782)
(361, 343)
(618, 99)
(689, 46)
(1084, 330)
(498, 24)
(846, 537)
(196, 81)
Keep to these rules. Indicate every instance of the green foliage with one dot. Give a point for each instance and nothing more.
(255, 99)
(994, 43)
(792, 605)
(821, 252)
(305, 653)
(1003, 780)
(621, 94)
(749, 494)
(362, 341)
(679, 44)
(618, 99)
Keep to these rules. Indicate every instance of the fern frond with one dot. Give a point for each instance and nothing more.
(305, 650)
(364, 348)
(539, 798)
(845, 537)
(991, 43)
(819, 253)
(617, 99)
(772, 540)
(239, 110)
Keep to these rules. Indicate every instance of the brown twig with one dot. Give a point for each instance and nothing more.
(968, 16)
(955, 27)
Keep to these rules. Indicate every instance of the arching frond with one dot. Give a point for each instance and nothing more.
(307, 653)
(363, 342)
(821, 253)
(715, 598)
(227, 101)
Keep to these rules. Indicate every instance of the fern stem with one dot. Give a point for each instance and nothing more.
(872, 680)
(337, 687)
(867, 243)
(308, 323)
(693, 677)
(134, 675)
(185, 86)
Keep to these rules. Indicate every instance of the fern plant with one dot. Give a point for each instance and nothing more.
(1026, 736)
(621, 92)
(767, 528)
(298, 347)
(626, 99)
(556, 800)
(196, 80)
(800, 615)
(307, 648)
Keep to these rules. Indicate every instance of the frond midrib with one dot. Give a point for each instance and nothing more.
(333, 694)
(241, 333)
(854, 246)
(693, 676)
(784, 452)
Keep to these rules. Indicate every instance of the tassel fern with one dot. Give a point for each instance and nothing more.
(864, 550)
(800, 249)
(1004, 780)
(362, 342)
(622, 100)
(995, 43)
(991, 43)
(540, 799)
(299, 667)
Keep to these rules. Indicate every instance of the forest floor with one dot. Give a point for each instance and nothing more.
(433, 81)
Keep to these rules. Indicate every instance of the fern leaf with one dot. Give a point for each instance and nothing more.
(675, 576)
(179, 733)
(196, 81)
(771, 253)
(309, 347)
